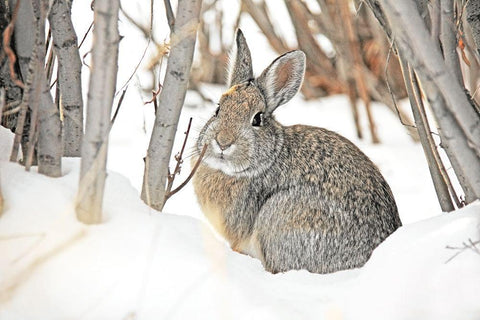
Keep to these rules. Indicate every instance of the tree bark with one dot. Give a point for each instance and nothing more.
(261, 19)
(100, 98)
(423, 128)
(24, 31)
(24, 34)
(69, 76)
(458, 121)
(357, 60)
(171, 101)
(49, 125)
(448, 39)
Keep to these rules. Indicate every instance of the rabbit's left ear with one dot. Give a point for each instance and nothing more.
(240, 61)
(280, 81)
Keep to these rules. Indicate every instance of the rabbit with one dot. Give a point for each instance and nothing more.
(296, 197)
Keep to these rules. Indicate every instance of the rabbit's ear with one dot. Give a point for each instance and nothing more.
(240, 61)
(281, 80)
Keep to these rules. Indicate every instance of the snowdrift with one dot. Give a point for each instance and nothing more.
(141, 264)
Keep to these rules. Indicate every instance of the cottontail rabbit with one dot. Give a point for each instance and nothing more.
(296, 197)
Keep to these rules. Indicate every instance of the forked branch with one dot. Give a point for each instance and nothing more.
(179, 158)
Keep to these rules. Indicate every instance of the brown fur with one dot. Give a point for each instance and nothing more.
(296, 197)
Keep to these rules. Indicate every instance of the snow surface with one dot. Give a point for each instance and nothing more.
(141, 264)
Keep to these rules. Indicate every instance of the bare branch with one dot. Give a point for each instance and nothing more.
(457, 118)
(85, 35)
(171, 101)
(101, 91)
(470, 245)
(190, 176)
(179, 159)
(49, 125)
(264, 23)
(119, 104)
(33, 134)
(428, 145)
(25, 30)
(448, 39)
(358, 66)
(431, 142)
(170, 16)
(69, 76)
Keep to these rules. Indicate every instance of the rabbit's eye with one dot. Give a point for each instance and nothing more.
(216, 111)
(257, 120)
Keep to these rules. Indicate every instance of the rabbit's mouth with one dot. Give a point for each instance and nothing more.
(220, 162)
(226, 161)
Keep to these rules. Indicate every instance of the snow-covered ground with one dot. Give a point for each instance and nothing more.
(141, 264)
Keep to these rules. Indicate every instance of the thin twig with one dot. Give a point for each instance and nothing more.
(119, 104)
(170, 15)
(190, 176)
(470, 245)
(354, 47)
(148, 35)
(146, 32)
(24, 105)
(79, 46)
(155, 95)
(179, 159)
(151, 17)
(428, 145)
(32, 134)
(394, 100)
(85, 35)
(431, 142)
(50, 62)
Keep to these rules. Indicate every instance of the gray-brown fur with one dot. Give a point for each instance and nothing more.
(296, 197)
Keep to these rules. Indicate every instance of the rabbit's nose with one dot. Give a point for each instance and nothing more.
(224, 142)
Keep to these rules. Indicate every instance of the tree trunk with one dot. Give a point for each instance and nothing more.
(423, 128)
(458, 121)
(69, 76)
(260, 17)
(49, 125)
(171, 101)
(100, 98)
(448, 39)
(318, 63)
(24, 34)
(24, 31)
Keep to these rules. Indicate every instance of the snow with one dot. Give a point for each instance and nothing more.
(141, 264)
